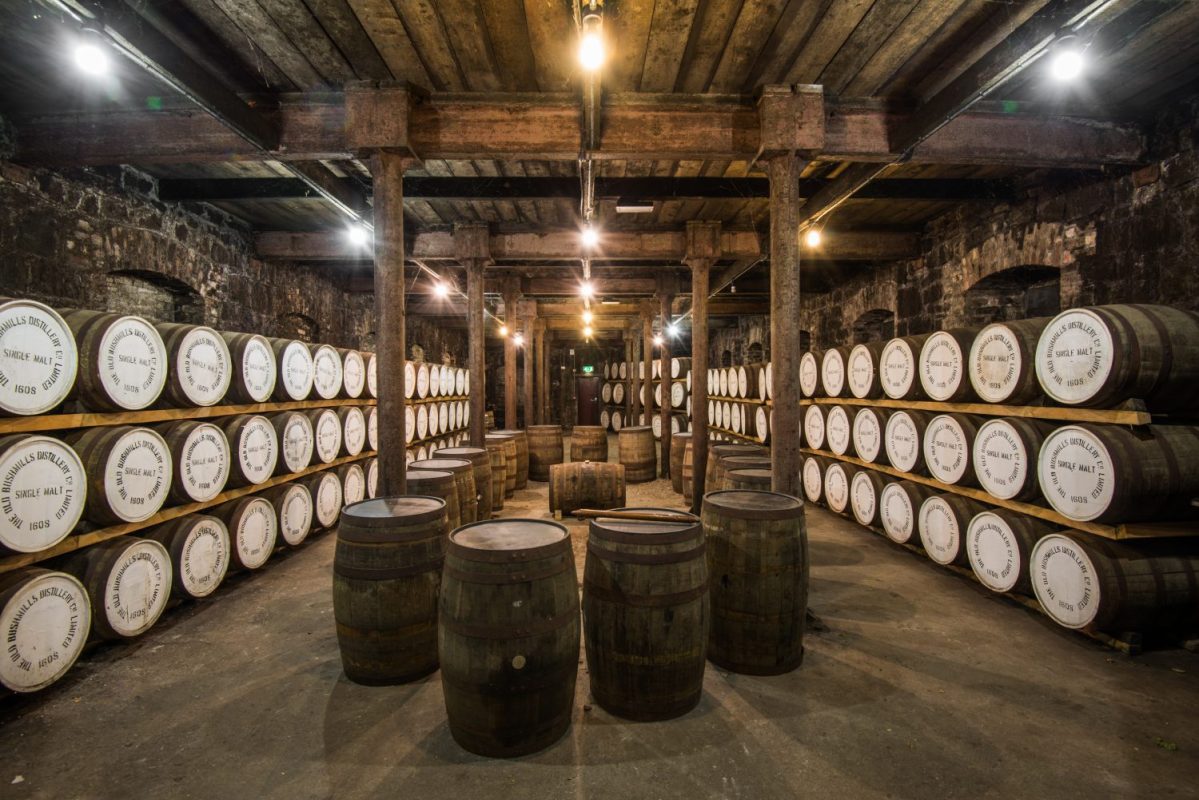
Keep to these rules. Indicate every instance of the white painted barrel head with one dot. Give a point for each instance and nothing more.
(618, 419)
(809, 374)
(204, 557)
(203, 366)
(813, 427)
(722, 377)
(1001, 459)
(295, 370)
(947, 450)
(295, 515)
(443, 417)
(939, 531)
(901, 438)
(298, 442)
(327, 435)
(372, 376)
(618, 393)
(433, 420)
(897, 514)
(813, 480)
(353, 486)
(257, 531)
(832, 372)
(995, 363)
(460, 385)
(410, 380)
(762, 424)
(46, 621)
(769, 380)
(762, 395)
(862, 498)
(838, 430)
(422, 380)
(372, 478)
(678, 395)
(836, 487)
(327, 499)
(137, 475)
(259, 371)
(410, 424)
(1076, 473)
(133, 363)
(326, 372)
(1065, 581)
(655, 425)
(742, 382)
(257, 449)
(448, 382)
(1074, 356)
(464, 414)
(897, 369)
(38, 358)
(43, 492)
(353, 433)
(434, 380)
(860, 371)
(867, 435)
(353, 374)
(942, 366)
(372, 427)
(137, 588)
(205, 463)
(994, 552)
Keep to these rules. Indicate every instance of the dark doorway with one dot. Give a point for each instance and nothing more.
(588, 392)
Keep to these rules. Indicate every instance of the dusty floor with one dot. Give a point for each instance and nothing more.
(923, 686)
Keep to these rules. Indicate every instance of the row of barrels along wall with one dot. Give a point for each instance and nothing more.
(614, 394)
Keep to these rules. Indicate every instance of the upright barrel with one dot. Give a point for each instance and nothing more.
(688, 473)
(481, 465)
(588, 443)
(586, 484)
(638, 454)
(507, 440)
(521, 440)
(645, 615)
(386, 579)
(464, 483)
(508, 635)
(545, 448)
(438, 483)
(38, 358)
(755, 478)
(499, 470)
(41, 647)
(678, 444)
(757, 547)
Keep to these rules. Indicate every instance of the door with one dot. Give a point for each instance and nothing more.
(588, 394)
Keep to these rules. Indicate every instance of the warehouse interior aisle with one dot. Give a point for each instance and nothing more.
(918, 684)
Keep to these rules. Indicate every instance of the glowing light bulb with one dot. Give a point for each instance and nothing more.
(1067, 65)
(503, 330)
(91, 58)
(441, 290)
(590, 237)
(586, 289)
(672, 329)
(658, 340)
(813, 237)
(587, 332)
(518, 339)
(591, 51)
(358, 235)
(587, 317)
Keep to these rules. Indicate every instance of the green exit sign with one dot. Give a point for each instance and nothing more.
(588, 369)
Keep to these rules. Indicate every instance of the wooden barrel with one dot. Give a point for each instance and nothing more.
(688, 471)
(1005, 456)
(293, 430)
(898, 368)
(752, 478)
(353, 430)
(128, 472)
(353, 373)
(293, 512)
(730, 463)
(199, 548)
(606, 392)
(201, 460)
(757, 547)
(678, 394)
(294, 361)
(810, 384)
(588, 443)
(766, 382)
(721, 387)
(618, 391)
(948, 445)
(508, 442)
(253, 369)
(1104, 473)
(327, 377)
(865, 489)
(943, 520)
(747, 382)
(353, 483)
(623, 370)
(480, 463)
(1102, 355)
(1084, 582)
(422, 421)
(838, 477)
(645, 616)
(838, 430)
(586, 484)
(832, 371)
(899, 510)
(763, 423)
(255, 449)
(813, 427)
(253, 531)
(372, 376)
(943, 365)
(386, 580)
(998, 544)
(638, 454)
(713, 473)
(41, 647)
(463, 471)
(902, 439)
(678, 444)
(521, 439)
(128, 581)
(43, 492)
(123, 361)
(617, 419)
(410, 380)
(372, 479)
(38, 358)
(605, 419)
(326, 434)
(1003, 361)
(508, 635)
(862, 374)
(868, 426)
(545, 448)
(812, 475)
(200, 366)
(499, 470)
(438, 483)
(434, 386)
(327, 499)
(679, 367)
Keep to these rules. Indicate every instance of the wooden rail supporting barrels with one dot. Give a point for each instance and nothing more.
(812, 475)
(353, 374)
(949, 448)
(862, 374)
(714, 472)
(645, 615)
(499, 473)
(508, 635)
(757, 547)
(832, 372)
(943, 521)
(199, 548)
(1005, 456)
(1104, 473)
(902, 439)
(588, 443)
(326, 371)
(41, 647)
(638, 454)
(327, 499)
(254, 446)
(39, 359)
(122, 361)
(253, 531)
(838, 477)
(43, 492)
(1102, 355)
(810, 384)
(838, 430)
(201, 458)
(1084, 582)
(813, 427)
(353, 430)
(294, 362)
(481, 465)
(688, 471)
(128, 472)
(199, 365)
(944, 365)
(1003, 361)
(868, 426)
(326, 434)
(865, 489)
(899, 510)
(386, 579)
(128, 581)
(545, 448)
(507, 441)
(253, 370)
(353, 483)
(521, 439)
(998, 544)
(586, 484)
(464, 483)
(753, 478)
(293, 431)
(438, 483)
(899, 368)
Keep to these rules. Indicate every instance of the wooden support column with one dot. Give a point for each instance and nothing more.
(785, 455)
(387, 169)
(511, 297)
(647, 355)
(665, 298)
(703, 250)
(634, 377)
(528, 318)
(546, 349)
(541, 389)
(471, 244)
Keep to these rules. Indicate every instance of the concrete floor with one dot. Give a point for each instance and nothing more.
(922, 685)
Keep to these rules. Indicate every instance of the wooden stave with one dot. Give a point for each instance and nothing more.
(638, 454)
(463, 471)
(1024, 335)
(588, 443)
(586, 484)
(239, 392)
(545, 448)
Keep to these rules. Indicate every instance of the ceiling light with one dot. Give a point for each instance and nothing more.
(358, 235)
(503, 330)
(591, 44)
(586, 289)
(634, 207)
(587, 332)
(1067, 64)
(590, 237)
(672, 329)
(587, 317)
(609, 302)
(440, 289)
(90, 55)
(813, 237)
(518, 339)
(658, 340)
